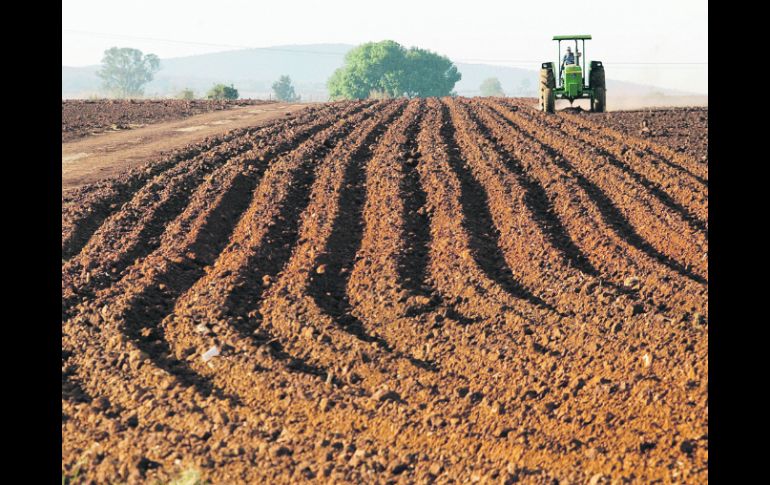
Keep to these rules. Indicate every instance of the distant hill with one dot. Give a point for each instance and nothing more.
(253, 71)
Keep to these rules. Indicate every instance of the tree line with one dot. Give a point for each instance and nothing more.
(374, 69)
(125, 71)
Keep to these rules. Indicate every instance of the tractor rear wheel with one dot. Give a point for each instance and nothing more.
(596, 82)
(547, 86)
(547, 100)
(599, 101)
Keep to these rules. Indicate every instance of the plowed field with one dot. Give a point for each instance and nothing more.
(454, 290)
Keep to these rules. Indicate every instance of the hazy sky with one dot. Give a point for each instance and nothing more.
(661, 42)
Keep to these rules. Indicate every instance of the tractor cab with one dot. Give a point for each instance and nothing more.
(572, 80)
(565, 66)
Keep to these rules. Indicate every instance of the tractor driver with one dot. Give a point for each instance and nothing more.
(569, 58)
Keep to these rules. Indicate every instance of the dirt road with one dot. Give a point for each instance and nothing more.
(107, 155)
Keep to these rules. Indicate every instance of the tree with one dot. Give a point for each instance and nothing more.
(390, 70)
(429, 74)
(284, 90)
(220, 91)
(125, 70)
(491, 87)
(187, 94)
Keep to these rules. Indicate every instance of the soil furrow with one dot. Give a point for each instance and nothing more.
(453, 267)
(674, 159)
(484, 236)
(136, 229)
(677, 192)
(190, 244)
(608, 250)
(85, 209)
(383, 245)
(124, 384)
(533, 238)
(228, 296)
(346, 302)
(303, 312)
(643, 222)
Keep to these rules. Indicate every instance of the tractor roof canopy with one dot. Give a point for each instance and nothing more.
(571, 37)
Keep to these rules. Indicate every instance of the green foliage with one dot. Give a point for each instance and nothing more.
(125, 70)
(390, 70)
(491, 87)
(374, 94)
(187, 94)
(429, 74)
(221, 91)
(284, 90)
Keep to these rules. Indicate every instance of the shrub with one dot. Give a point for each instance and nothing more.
(221, 91)
(187, 94)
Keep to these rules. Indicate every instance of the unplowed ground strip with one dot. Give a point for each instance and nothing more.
(134, 231)
(679, 192)
(638, 217)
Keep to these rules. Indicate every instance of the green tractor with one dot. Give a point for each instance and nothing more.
(572, 81)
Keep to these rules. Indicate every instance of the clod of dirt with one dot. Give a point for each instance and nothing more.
(687, 447)
(101, 403)
(595, 479)
(634, 309)
(385, 394)
(278, 451)
(632, 282)
(398, 467)
(210, 353)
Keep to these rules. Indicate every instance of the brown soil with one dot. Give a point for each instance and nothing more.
(90, 159)
(682, 129)
(80, 117)
(454, 290)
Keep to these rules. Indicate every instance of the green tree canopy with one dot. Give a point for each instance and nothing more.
(491, 87)
(125, 70)
(221, 91)
(388, 68)
(284, 90)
